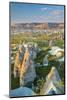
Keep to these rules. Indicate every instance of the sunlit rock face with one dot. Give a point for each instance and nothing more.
(24, 64)
(22, 91)
(30, 73)
(59, 54)
(52, 84)
(53, 75)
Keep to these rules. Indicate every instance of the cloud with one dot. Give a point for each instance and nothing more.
(55, 15)
(44, 9)
(57, 12)
(38, 17)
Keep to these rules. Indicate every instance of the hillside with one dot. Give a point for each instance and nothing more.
(22, 27)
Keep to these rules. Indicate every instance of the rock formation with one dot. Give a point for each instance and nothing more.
(52, 84)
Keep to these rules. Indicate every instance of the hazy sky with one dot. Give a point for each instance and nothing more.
(27, 13)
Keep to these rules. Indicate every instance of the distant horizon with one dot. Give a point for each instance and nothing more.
(36, 13)
(36, 22)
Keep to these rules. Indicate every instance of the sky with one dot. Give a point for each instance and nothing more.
(29, 13)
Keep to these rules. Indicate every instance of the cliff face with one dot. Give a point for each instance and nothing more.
(36, 26)
(53, 75)
(24, 66)
(52, 84)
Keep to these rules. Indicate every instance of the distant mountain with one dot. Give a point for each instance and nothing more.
(19, 27)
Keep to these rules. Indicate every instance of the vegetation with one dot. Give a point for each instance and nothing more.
(14, 82)
(59, 43)
(43, 44)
